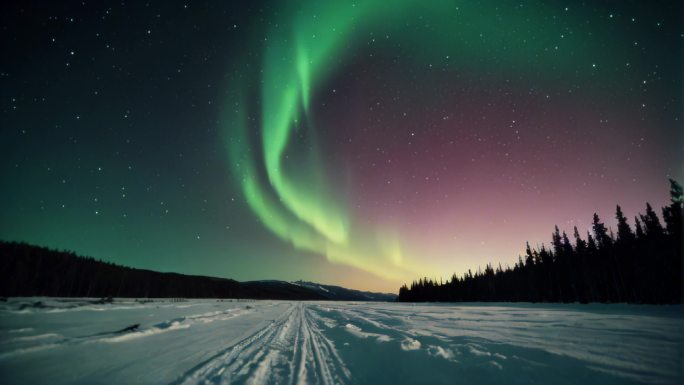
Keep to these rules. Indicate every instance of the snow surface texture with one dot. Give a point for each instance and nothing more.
(278, 342)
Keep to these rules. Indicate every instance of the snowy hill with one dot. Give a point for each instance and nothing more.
(338, 293)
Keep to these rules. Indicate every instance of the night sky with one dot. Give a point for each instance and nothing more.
(363, 143)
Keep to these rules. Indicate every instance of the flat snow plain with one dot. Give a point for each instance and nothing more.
(74, 341)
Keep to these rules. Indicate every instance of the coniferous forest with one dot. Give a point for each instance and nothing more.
(27, 270)
(637, 264)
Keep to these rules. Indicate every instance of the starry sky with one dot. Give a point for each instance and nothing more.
(358, 143)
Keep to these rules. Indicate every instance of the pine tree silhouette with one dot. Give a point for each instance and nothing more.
(643, 265)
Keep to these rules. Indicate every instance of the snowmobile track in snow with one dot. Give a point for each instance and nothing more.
(289, 350)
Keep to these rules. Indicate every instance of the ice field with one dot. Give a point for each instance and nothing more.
(77, 341)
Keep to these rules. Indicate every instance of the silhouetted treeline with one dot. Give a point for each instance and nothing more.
(27, 270)
(640, 264)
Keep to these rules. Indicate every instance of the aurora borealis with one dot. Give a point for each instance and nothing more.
(354, 143)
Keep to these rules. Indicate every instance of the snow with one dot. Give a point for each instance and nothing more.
(410, 344)
(358, 332)
(78, 341)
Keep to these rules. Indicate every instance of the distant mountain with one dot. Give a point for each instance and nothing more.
(337, 293)
(279, 289)
(27, 270)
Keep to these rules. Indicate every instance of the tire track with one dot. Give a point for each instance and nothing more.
(289, 350)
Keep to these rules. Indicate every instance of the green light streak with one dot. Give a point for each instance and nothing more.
(303, 51)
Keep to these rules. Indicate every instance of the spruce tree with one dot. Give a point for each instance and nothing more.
(625, 233)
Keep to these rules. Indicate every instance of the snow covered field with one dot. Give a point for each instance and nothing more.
(278, 342)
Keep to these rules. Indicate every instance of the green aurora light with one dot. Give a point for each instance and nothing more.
(294, 199)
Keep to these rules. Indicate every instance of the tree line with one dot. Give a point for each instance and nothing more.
(27, 270)
(639, 264)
